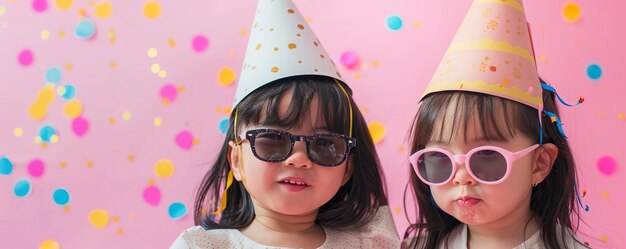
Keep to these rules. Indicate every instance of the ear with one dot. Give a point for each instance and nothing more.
(349, 170)
(546, 155)
(233, 160)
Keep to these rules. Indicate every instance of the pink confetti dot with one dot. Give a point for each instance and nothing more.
(152, 195)
(607, 165)
(25, 58)
(200, 43)
(184, 140)
(350, 59)
(169, 92)
(80, 126)
(36, 168)
(40, 5)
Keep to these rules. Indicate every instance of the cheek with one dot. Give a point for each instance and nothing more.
(330, 178)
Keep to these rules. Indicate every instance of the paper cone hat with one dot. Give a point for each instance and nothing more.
(491, 53)
(281, 45)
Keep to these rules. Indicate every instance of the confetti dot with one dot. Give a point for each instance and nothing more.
(226, 76)
(158, 121)
(184, 140)
(25, 57)
(168, 92)
(152, 195)
(164, 168)
(350, 59)
(18, 132)
(67, 92)
(64, 4)
(40, 5)
(36, 168)
(171, 42)
(377, 130)
(126, 115)
(155, 68)
(571, 12)
(274, 70)
(49, 244)
(103, 10)
(3, 10)
(152, 10)
(607, 165)
(46, 133)
(45, 34)
(38, 111)
(99, 218)
(152, 53)
(73, 108)
(162, 74)
(223, 126)
(6, 167)
(594, 71)
(61, 197)
(80, 126)
(177, 210)
(85, 29)
(200, 43)
(394, 22)
(22, 188)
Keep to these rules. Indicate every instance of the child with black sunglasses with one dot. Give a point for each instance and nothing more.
(491, 166)
(298, 168)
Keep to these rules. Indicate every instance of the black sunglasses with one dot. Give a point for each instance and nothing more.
(271, 145)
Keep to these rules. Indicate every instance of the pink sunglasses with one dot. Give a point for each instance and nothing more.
(487, 164)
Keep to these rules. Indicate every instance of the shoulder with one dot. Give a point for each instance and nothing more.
(456, 239)
(380, 232)
(198, 237)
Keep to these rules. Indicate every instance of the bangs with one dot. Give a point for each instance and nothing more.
(263, 107)
(444, 116)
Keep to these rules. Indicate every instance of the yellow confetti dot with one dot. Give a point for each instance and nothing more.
(152, 52)
(155, 68)
(274, 69)
(226, 76)
(18, 132)
(63, 165)
(377, 130)
(196, 141)
(116, 219)
(49, 244)
(89, 164)
(397, 210)
(375, 63)
(162, 74)
(66, 209)
(82, 13)
(46, 95)
(3, 10)
(171, 42)
(180, 89)
(54, 139)
(103, 10)
(112, 35)
(243, 32)
(164, 168)
(401, 149)
(64, 4)
(165, 101)
(417, 25)
(38, 111)
(131, 157)
(151, 182)
(113, 64)
(120, 231)
(126, 116)
(45, 34)
(158, 121)
(112, 120)
(605, 238)
(621, 116)
(61, 34)
(543, 58)
(571, 12)
(73, 108)
(152, 9)
(68, 66)
(99, 218)
(357, 75)
(604, 195)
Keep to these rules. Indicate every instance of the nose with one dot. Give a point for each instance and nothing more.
(462, 176)
(299, 157)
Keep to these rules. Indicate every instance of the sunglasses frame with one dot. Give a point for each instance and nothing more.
(509, 157)
(250, 135)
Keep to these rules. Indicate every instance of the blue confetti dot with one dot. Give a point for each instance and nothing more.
(177, 210)
(46, 133)
(594, 71)
(61, 197)
(394, 23)
(22, 188)
(53, 75)
(224, 125)
(6, 167)
(85, 29)
(70, 92)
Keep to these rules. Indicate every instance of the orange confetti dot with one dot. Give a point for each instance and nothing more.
(292, 46)
(300, 26)
(275, 70)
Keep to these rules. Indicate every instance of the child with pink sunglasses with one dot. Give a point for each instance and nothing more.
(491, 166)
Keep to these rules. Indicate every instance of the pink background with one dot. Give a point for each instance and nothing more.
(109, 167)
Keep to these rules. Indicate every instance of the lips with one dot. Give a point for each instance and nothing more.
(294, 183)
(467, 201)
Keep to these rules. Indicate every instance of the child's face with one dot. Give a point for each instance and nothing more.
(268, 182)
(476, 203)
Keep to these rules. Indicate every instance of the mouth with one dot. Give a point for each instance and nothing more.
(295, 181)
(467, 201)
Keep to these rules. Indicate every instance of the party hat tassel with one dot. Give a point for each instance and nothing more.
(555, 119)
(553, 90)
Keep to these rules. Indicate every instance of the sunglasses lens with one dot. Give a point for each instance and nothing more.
(435, 167)
(488, 165)
(272, 146)
(327, 150)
